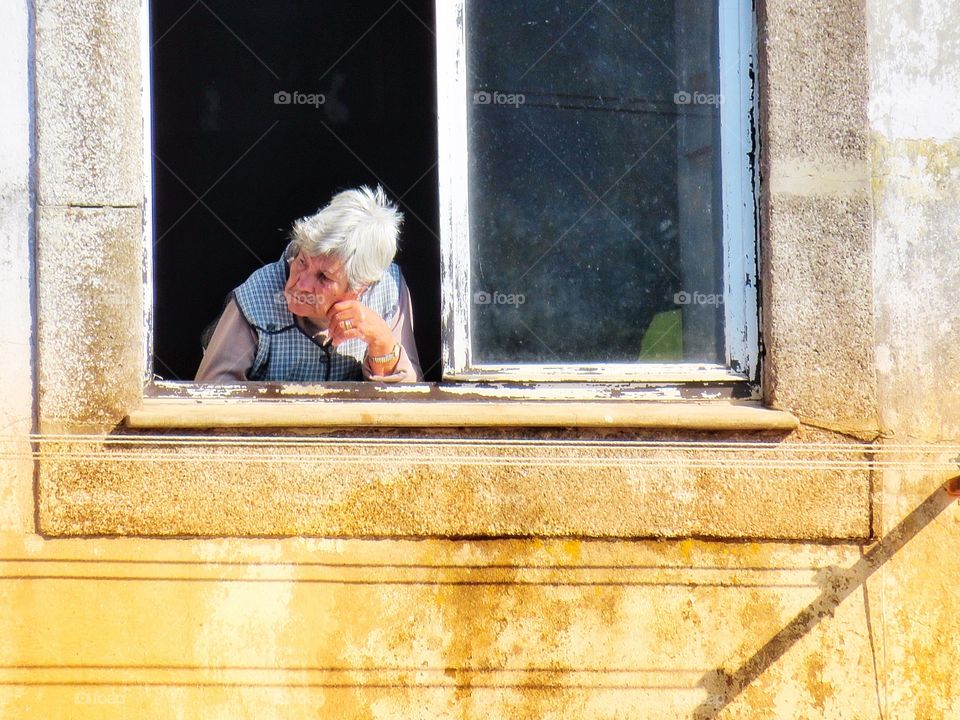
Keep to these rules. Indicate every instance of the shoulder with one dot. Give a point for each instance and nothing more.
(403, 288)
(270, 274)
(390, 283)
(393, 274)
(384, 295)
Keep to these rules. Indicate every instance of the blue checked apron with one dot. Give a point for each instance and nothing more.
(284, 351)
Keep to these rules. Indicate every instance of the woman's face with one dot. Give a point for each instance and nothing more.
(314, 284)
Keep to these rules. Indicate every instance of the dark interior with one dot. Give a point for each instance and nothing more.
(233, 167)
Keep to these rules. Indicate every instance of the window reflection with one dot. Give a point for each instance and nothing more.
(595, 223)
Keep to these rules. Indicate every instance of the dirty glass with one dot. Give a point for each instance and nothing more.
(594, 181)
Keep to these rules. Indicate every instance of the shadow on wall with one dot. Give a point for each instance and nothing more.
(723, 686)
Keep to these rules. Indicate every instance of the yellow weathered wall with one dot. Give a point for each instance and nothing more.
(498, 629)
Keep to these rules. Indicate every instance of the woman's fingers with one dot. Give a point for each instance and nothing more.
(346, 310)
(351, 319)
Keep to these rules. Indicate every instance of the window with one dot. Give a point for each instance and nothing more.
(597, 190)
(233, 164)
(594, 211)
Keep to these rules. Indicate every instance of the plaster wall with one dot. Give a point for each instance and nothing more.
(16, 239)
(915, 86)
(529, 628)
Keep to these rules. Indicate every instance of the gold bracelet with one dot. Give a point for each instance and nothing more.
(388, 358)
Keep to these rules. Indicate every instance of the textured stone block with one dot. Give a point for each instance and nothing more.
(815, 84)
(818, 314)
(89, 103)
(345, 488)
(90, 303)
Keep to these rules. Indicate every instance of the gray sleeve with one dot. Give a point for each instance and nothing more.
(231, 351)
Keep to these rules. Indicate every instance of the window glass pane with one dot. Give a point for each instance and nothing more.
(594, 181)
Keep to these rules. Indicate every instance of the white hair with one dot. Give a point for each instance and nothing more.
(358, 227)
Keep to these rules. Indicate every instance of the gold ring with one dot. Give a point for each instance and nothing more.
(347, 325)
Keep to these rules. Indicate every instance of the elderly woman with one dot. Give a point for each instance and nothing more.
(334, 307)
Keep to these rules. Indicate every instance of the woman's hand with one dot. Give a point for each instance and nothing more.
(349, 319)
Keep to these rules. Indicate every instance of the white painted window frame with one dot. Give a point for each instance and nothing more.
(146, 106)
(738, 44)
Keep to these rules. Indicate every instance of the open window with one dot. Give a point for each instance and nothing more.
(261, 111)
(578, 178)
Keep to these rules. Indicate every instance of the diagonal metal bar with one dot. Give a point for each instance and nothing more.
(599, 198)
(209, 209)
(357, 41)
(215, 182)
(239, 39)
(167, 367)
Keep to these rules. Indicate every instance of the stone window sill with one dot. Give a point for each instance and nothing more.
(235, 412)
